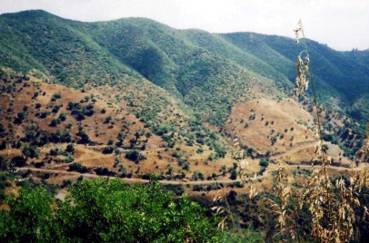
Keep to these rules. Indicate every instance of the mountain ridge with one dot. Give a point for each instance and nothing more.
(187, 63)
(211, 101)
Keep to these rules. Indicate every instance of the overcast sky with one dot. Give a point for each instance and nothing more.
(342, 24)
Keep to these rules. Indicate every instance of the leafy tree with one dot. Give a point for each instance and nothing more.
(78, 167)
(263, 162)
(83, 136)
(20, 117)
(105, 211)
(134, 155)
(18, 161)
(108, 150)
(30, 217)
(55, 96)
(233, 174)
(30, 151)
(70, 148)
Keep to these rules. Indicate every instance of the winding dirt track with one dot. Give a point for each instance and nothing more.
(299, 147)
(173, 182)
(128, 180)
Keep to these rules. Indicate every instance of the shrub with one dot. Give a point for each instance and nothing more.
(107, 120)
(42, 114)
(106, 211)
(60, 137)
(134, 155)
(70, 148)
(55, 109)
(78, 167)
(54, 122)
(62, 116)
(233, 174)
(108, 150)
(197, 176)
(184, 164)
(20, 117)
(54, 151)
(263, 162)
(55, 96)
(103, 171)
(30, 151)
(79, 112)
(83, 137)
(18, 161)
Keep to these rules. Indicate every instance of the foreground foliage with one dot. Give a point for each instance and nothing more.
(105, 211)
(323, 208)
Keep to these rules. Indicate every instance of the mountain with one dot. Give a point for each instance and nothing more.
(199, 68)
(188, 86)
(208, 115)
(121, 51)
(341, 75)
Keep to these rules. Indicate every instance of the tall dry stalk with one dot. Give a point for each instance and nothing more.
(331, 204)
(278, 208)
(323, 208)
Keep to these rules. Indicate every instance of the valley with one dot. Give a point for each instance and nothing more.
(98, 106)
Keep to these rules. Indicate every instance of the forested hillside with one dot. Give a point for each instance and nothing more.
(208, 72)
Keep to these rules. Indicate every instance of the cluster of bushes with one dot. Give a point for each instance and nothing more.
(79, 112)
(35, 136)
(56, 121)
(55, 96)
(233, 172)
(184, 164)
(83, 137)
(134, 155)
(105, 211)
(18, 119)
(197, 176)
(204, 136)
(166, 131)
(78, 167)
(30, 151)
(69, 150)
(104, 171)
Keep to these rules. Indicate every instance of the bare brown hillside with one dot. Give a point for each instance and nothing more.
(280, 129)
(54, 127)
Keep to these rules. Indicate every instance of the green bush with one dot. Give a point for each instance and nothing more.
(134, 155)
(105, 211)
(55, 96)
(30, 151)
(70, 148)
(78, 167)
(264, 163)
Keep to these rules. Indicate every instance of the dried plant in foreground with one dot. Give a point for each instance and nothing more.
(331, 205)
(278, 213)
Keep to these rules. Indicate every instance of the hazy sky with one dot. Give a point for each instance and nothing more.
(342, 24)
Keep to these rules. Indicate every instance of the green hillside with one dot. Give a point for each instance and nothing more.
(122, 51)
(204, 79)
(207, 72)
(343, 75)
